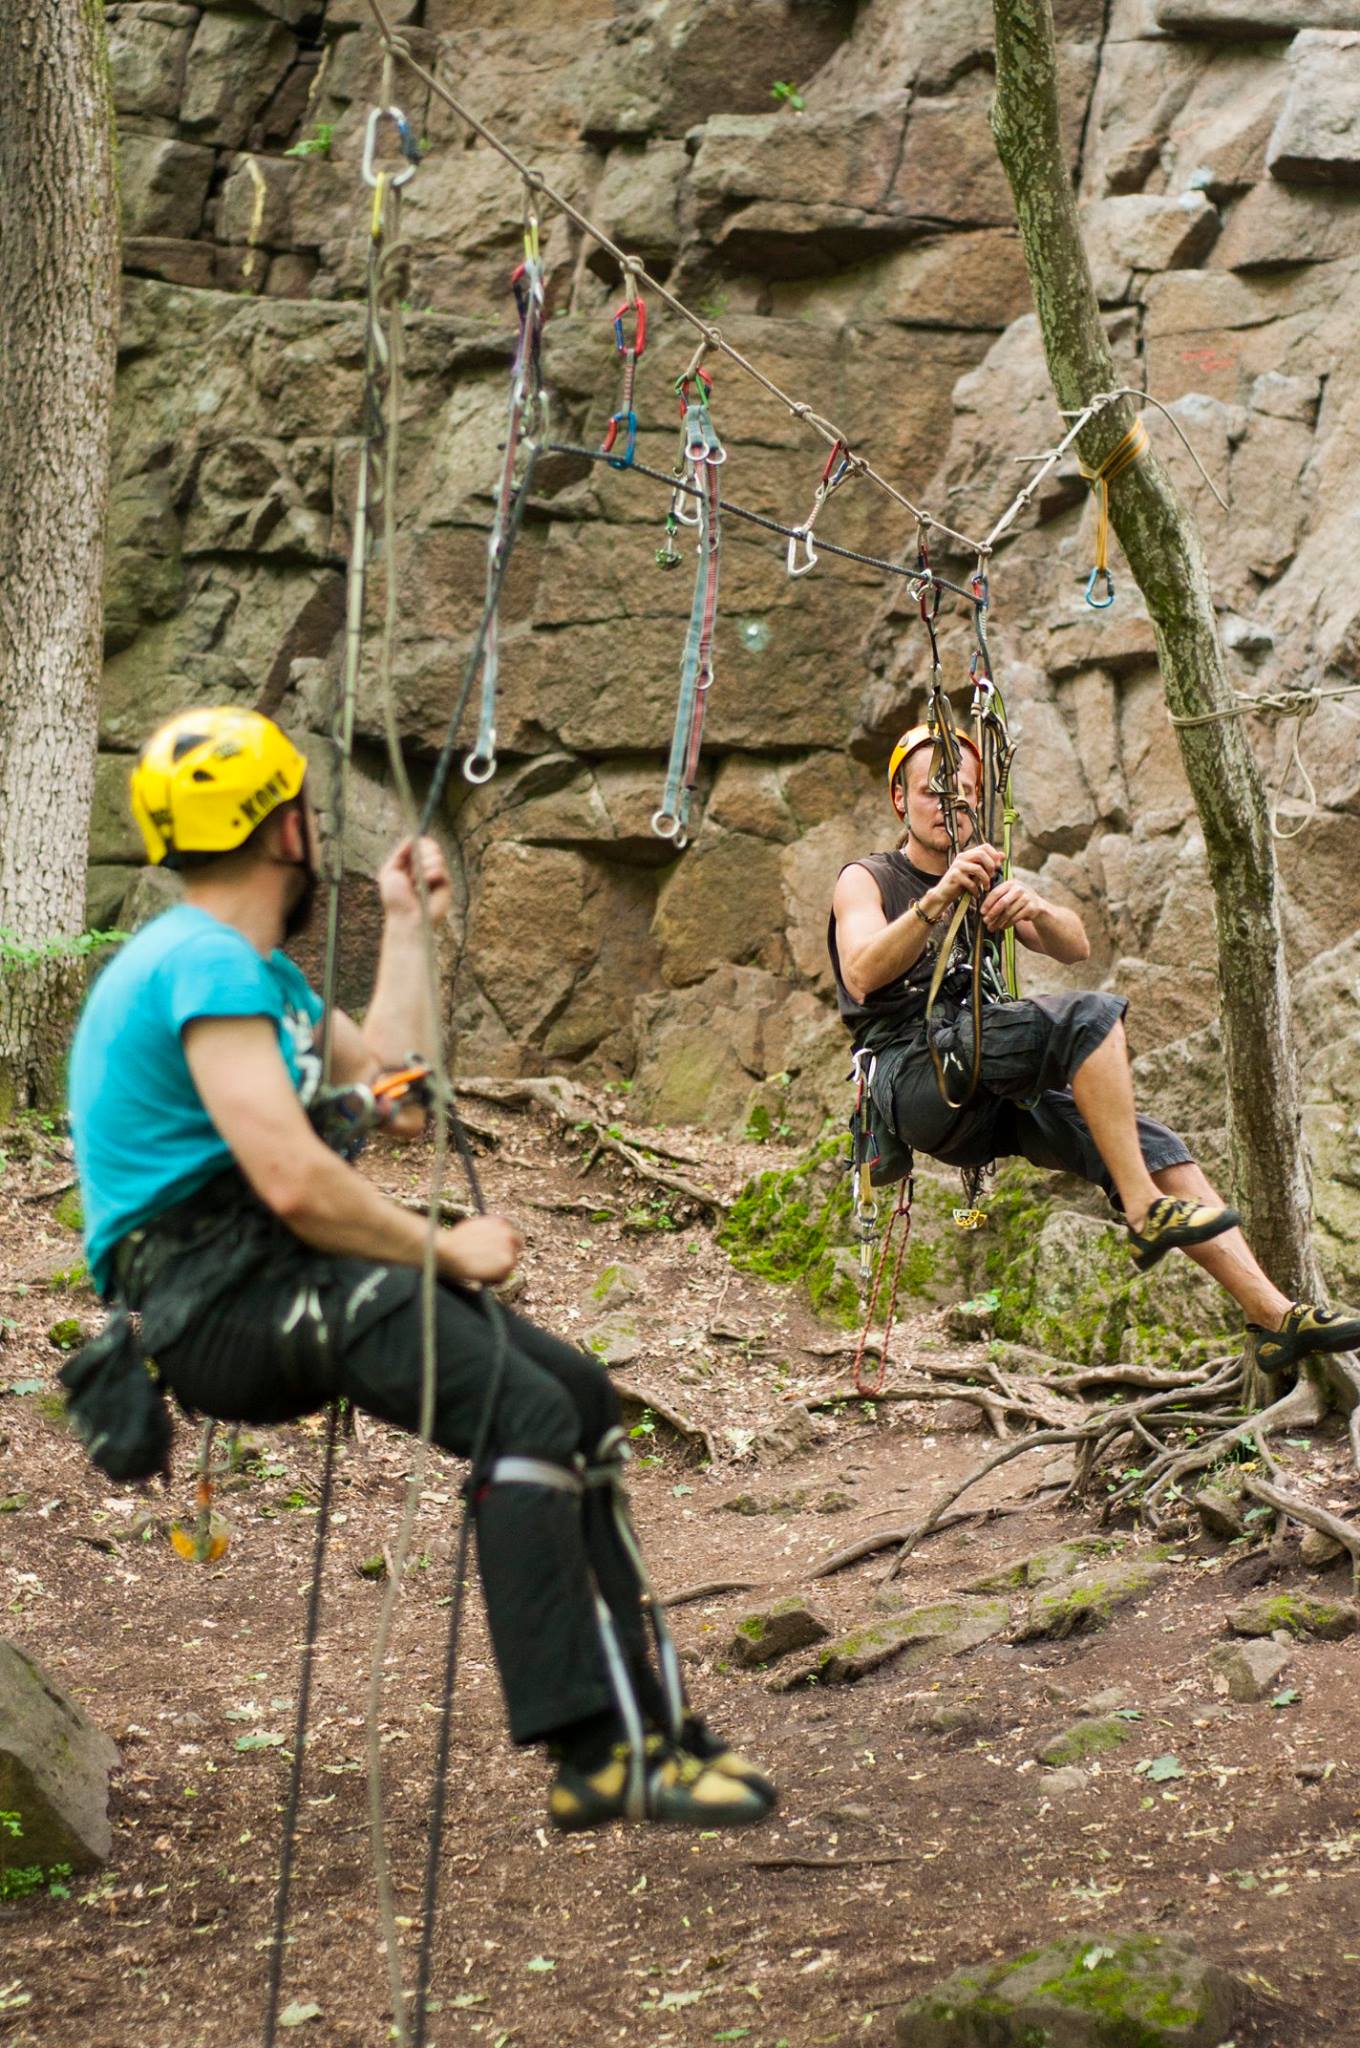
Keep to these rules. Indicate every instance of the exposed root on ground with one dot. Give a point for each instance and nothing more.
(693, 1433)
(708, 1589)
(1185, 1423)
(569, 1105)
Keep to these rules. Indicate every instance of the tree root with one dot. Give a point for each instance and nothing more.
(568, 1104)
(1299, 1510)
(690, 1432)
(708, 1589)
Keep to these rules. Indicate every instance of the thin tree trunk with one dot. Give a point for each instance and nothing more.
(1269, 1158)
(59, 257)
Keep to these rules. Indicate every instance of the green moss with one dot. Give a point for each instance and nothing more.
(67, 1334)
(789, 1225)
(753, 1627)
(69, 1212)
(606, 1282)
(1084, 1739)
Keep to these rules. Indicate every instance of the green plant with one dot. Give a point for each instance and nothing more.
(789, 95)
(318, 143)
(16, 952)
(645, 1424)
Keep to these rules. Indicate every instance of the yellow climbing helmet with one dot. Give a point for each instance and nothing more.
(205, 779)
(917, 736)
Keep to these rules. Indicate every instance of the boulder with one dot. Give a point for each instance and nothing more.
(1317, 1550)
(54, 1773)
(234, 65)
(1095, 1735)
(1047, 1567)
(1220, 1504)
(616, 1339)
(1103, 1990)
(1087, 1601)
(148, 47)
(162, 184)
(924, 1636)
(1317, 138)
(1247, 1671)
(1298, 1614)
(773, 1632)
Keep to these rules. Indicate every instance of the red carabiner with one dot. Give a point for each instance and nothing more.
(636, 347)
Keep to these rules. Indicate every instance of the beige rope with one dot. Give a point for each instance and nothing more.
(1296, 704)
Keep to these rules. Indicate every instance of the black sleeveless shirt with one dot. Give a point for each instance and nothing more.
(895, 1012)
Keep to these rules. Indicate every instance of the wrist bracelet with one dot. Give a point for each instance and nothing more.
(929, 922)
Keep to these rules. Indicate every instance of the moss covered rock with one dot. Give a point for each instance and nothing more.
(924, 1635)
(796, 1224)
(1300, 1614)
(1047, 1567)
(1065, 1284)
(1077, 1605)
(1090, 1991)
(776, 1631)
(1093, 1736)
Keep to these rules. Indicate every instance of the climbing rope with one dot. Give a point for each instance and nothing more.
(901, 1214)
(1298, 704)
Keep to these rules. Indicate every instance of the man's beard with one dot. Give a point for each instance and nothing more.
(299, 915)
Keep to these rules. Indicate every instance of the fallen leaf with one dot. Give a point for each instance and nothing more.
(1159, 1769)
(540, 1963)
(1287, 1698)
(295, 2014)
(259, 1738)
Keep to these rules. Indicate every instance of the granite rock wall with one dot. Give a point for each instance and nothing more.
(864, 252)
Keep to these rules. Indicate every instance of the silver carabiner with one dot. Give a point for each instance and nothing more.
(409, 150)
(795, 568)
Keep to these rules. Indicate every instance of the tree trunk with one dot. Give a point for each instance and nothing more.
(1265, 1124)
(59, 258)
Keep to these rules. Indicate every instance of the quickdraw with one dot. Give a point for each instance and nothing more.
(993, 819)
(1125, 452)
(526, 424)
(631, 348)
(701, 456)
(840, 464)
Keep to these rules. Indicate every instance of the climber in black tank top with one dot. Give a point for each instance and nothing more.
(1056, 1086)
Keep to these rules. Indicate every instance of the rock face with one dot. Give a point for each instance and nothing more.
(1101, 1990)
(54, 1773)
(864, 252)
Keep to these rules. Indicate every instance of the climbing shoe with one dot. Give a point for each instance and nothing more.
(675, 1786)
(1307, 1327)
(699, 1739)
(1170, 1225)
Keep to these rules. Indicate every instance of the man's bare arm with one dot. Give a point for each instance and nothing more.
(245, 1087)
(874, 951)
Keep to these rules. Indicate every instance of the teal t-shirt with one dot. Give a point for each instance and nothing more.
(143, 1139)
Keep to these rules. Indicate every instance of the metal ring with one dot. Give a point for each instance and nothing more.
(474, 771)
(666, 825)
(368, 168)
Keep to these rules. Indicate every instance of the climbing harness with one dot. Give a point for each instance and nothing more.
(1130, 448)
(631, 347)
(524, 429)
(701, 456)
(840, 464)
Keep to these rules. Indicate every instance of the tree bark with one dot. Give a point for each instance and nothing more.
(59, 262)
(1265, 1122)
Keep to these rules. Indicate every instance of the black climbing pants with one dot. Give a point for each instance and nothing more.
(1023, 1106)
(304, 1327)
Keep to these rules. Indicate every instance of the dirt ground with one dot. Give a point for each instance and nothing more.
(897, 1851)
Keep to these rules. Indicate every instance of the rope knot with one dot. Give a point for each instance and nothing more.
(394, 276)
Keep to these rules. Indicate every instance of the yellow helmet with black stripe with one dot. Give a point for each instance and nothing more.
(206, 779)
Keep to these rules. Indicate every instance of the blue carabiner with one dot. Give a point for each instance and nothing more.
(1100, 604)
(628, 421)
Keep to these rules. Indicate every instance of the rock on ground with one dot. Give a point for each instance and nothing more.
(1299, 1614)
(1078, 1605)
(1248, 1669)
(1092, 1991)
(1092, 1736)
(54, 1772)
(772, 1632)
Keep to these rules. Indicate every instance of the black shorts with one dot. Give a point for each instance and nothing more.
(1023, 1107)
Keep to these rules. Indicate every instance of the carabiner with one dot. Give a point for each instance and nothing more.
(801, 534)
(637, 346)
(410, 149)
(1100, 604)
(627, 420)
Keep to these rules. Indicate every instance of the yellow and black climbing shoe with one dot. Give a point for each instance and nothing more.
(700, 1740)
(1171, 1225)
(672, 1786)
(1307, 1327)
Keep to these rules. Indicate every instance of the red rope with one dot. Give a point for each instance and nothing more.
(901, 1213)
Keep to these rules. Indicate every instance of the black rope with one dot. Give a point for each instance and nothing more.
(294, 1798)
(824, 547)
